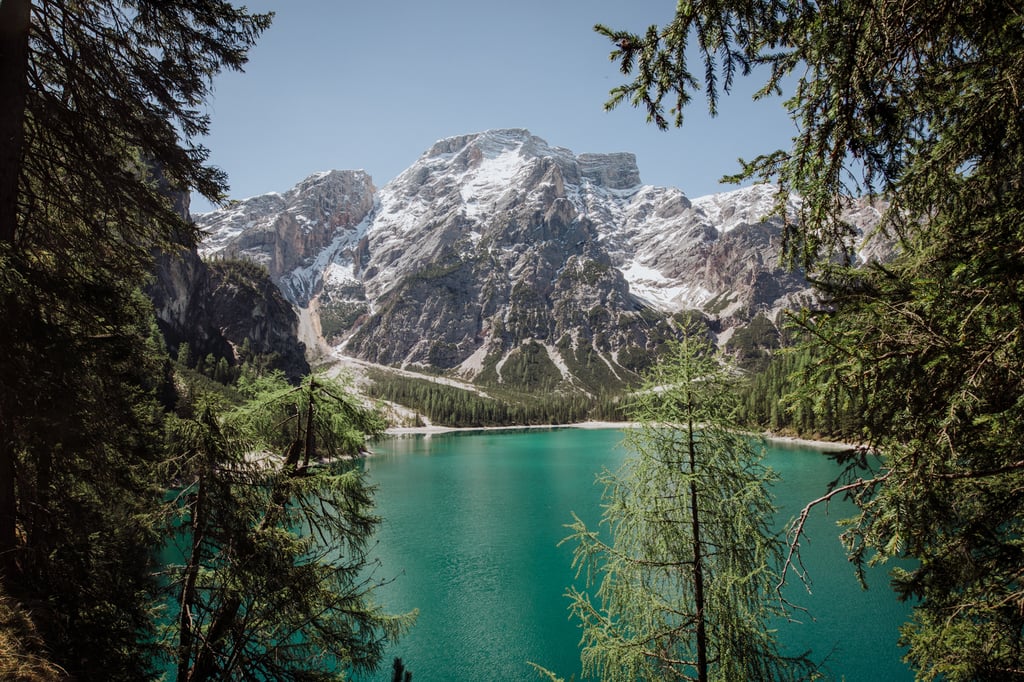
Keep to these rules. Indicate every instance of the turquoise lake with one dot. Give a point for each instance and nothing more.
(471, 532)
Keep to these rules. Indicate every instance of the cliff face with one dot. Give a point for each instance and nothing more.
(216, 307)
(495, 247)
(288, 233)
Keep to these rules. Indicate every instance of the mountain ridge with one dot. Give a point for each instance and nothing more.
(496, 248)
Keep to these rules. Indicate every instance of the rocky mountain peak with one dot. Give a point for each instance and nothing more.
(287, 232)
(614, 171)
(483, 160)
(496, 249)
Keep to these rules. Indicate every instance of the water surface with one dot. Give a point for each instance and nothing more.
(471, 533)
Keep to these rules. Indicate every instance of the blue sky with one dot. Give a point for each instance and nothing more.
(372, 85)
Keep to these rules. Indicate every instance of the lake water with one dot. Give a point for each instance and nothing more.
(472, 524)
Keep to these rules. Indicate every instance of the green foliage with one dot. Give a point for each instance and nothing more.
(488, 374)
(920, 104)
(592, 368)
(719, 303)
(184, 355)
(80, 424)
(598, 317)
(337, 317)
(635, 359)
(219, 375)
(586, 271)
(191, 386)
(443, 355)
(753, 344)
(275, 527)
(457, 407)
(100, 103)
(785, 398)
(435, 271)
(931, 345)
(240, 272)
(686, 585)
(528, 367)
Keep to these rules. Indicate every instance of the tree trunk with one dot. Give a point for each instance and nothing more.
(206, 667)
(14, 30)
(310, 445)
(188, 592)
(698, 564)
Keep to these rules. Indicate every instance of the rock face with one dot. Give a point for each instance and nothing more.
(288, 232)
(496, 248)
(218, 307)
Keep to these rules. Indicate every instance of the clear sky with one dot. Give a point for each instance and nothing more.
(373, 84)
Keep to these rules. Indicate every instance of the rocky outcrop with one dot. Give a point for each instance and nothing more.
(495, 245)
(614, 171)
(288, 232)
(219, 308)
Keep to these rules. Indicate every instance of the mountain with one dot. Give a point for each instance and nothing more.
(220, 308)
(500, 259)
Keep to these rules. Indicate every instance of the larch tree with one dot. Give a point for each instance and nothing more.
(686, 567)
(274, 523)
(99, 105)
(919, 104)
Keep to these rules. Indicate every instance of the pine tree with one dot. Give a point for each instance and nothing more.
(184, 354)
(99, 102)
(686, 584)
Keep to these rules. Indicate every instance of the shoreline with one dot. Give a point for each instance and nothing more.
(441, 430)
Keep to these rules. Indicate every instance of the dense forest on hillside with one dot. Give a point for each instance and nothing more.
(919, 105)
(776, 393)
(115, 456)
(774, 398)
(446, 405)
(779, 399)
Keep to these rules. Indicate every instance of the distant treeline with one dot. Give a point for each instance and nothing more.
(457, 407)
(779, 394)
(782, 398)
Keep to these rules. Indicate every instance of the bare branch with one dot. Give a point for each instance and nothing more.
(797, 528)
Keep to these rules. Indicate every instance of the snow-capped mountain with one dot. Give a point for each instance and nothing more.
(495, 249)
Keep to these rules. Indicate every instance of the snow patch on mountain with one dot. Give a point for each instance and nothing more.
(493, 238)
(481, 187)
(219, 228)
(334, 264)
(744, 206)
(661, 292)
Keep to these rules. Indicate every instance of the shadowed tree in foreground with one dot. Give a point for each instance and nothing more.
(92, 96)
(276, 581)
(920, 104)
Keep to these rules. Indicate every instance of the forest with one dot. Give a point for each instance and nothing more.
(116, 448)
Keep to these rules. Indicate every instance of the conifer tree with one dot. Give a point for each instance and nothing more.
(185, 354)
(919, 103)
(276, 581)
(686, 583)
(99, 104)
